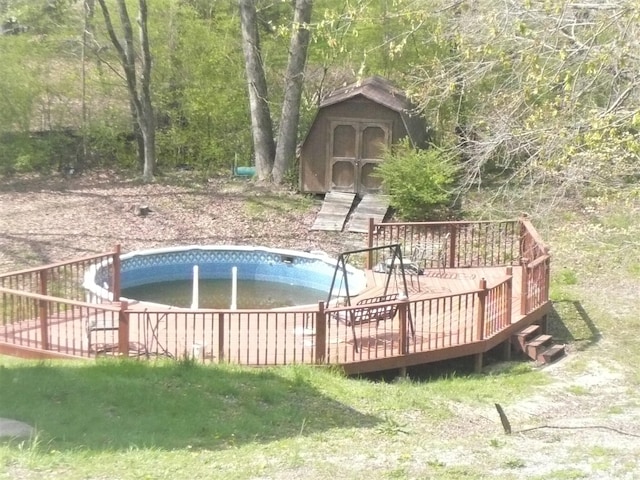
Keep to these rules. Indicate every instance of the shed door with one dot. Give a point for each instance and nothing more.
(355, 148)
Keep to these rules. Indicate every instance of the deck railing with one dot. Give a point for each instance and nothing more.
(475, 244)
(366, 340)
(65, 280)
(498, 307)
(445, 321)
(253, 337)
(34, 300)
(464, 244)
(57, 326)
(248, 337)
(35, 312)
(535, 259)
(421, 325)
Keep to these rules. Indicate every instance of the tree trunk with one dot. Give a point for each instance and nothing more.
(290, 117)
(261, 124)
(139, 92)
(146, 115)
(138, 138)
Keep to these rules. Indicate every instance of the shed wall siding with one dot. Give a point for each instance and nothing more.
(312, 158)
(313, 155)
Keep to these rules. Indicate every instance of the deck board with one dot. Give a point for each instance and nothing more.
(334, 211)
(370, 207)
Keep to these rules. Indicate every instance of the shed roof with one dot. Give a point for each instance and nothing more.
(382, 91)
(377, 89)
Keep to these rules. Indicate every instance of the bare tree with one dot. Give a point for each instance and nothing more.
(261, 124)
(138, 79)
(273, 161)
(290, 116)
(542, 95)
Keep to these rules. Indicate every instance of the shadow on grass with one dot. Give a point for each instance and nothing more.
(117, 405)
(569, 322)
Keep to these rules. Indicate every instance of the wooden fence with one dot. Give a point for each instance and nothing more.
(65, 279)
(536, 266)
(45, 310)
(464, 244)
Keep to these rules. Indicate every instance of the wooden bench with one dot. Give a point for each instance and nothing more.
(373, 309)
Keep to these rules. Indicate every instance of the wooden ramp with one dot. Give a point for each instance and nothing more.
(371, 206)
(334, 211)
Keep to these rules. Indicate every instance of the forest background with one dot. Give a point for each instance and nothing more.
(522, 93)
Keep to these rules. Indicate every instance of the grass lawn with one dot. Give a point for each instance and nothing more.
(129, 419)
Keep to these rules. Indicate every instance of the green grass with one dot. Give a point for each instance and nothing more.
(258, 206)
(565, 474)
(595, 289)
(565, 277)
(129, 419)
(143, 405)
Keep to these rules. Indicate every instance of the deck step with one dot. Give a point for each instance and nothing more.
(539, 344)
(551, 354)
(525, 335)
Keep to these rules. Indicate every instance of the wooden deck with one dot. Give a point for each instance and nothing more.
(468, 305)
(440, 323)
(445, 325)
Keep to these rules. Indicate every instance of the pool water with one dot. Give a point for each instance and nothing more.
(251, 294)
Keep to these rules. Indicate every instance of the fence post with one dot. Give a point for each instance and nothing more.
(524, 288)
(477, 362)
(369, 265)
(43, 311)
(509, 294)
(480, 309)
(453, 245)
(523, 238)
(220, 337)
(321, 333)
(123, 330)
(116, 274)
(547, 279)
(403, 310)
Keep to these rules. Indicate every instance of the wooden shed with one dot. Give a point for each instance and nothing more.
(348, 135)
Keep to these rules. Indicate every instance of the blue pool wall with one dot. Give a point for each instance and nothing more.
(311, 270)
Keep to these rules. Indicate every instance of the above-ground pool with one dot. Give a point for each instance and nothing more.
(266, 277)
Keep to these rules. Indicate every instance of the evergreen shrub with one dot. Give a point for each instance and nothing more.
(419, 182)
